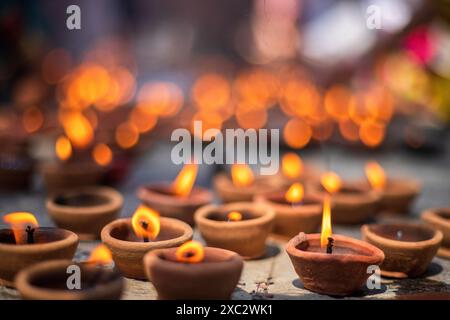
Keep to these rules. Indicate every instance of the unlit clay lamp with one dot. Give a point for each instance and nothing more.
(242, 227)
(243, 186)
(352, 203)
(397, 194)
(408, 247)
(49, 280)
(439, 219)
(294, 211)
(130, 239)
(26, 243)
(331, 264)
(193, 272)
(85, 210)
(178, 200)
(15, 171)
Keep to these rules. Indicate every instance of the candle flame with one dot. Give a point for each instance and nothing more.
(241, 175)
(100, 255)
(145, 223)
(326, 221)
(190, 252)
(331, 182)
(63, 148)
(292, 165)
(19, 221)
(295, 193)
(234, 216)
(376, 176)
(185, 180)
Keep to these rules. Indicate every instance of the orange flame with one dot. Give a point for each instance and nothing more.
(100, 255)
(326, 222)
(295, 193)
(102, 154)
(291, 165)
(145, 223)
(376, 176)
(331, 182)
(19, 221)
(242, 175)
(63, 148)
(185, 180)
(190, 252)
(234, 216)
(77, 128)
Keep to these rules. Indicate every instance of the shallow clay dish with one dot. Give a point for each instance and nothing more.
(439, 219)
(214, 278)
(84, 210)
(128, 251)
(399, 195)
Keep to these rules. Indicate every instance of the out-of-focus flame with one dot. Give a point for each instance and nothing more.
(241, 175)
(102, 154)
(19, 221)
(331, 182)
(145, 223)
(292, 165)
(63, 148)
(190, 252)
(376, 176)
(234, 216)
(295, 193)
(77, 128)
(32, 119)
(326, 222)
(185, 180)
(127, 135)
(100, 255)
(297, 133)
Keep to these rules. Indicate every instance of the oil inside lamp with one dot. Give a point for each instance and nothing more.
(190, 252)
(145, 223)
(21, 223)
(376, 176)
(242, 175)
(295, 193)
(292, 165)
(185, 180)
(234, 216)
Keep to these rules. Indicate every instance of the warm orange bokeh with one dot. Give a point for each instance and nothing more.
(127, 135)
(102, 154)
(211, 92)
(241, 175)
(143, 121)
(295, 193)
(326, 222)
(291, 165)
(297, 133)
(100, 255)
(185, 180)
(32, 119)
(376, 176)
(331, 182)
(372, 133)
(19, 221)
(77, 128)
(63, 148)
(190, 252)
(234, 216)
(162, 99)
(145, 223)
(337, 100)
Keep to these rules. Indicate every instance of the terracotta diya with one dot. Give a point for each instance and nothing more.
(397, 194)
(179, 200)
(408, 247)
(243, 186)
(242, 227)
(25, 243)
(85, 210)
(294, 211)
(130, 239)
(48, 280)
(331, 264)
(193, 272)
(16, 171)
(439, 219)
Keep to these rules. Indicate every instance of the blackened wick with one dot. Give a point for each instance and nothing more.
(30, 234)
(330, 245)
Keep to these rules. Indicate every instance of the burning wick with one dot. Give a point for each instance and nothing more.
(30, 234)
(330, 245)
(234, 216)
(190, 252)
(144, 225)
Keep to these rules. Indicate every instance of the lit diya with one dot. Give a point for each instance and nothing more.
(439, 219)
(353, 203)
(179, 199)
(397, 194)
(193, 272)
(243, 185)
(408, 247)
(85, 210)
(25, 243)
(242, 227)
(293, 169)
(294, 211)
(130, 239)
(332, 264)
(50, 280)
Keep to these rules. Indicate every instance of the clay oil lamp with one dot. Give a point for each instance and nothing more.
(439, 219)
(242, 227)
(408, 247)
(16, 171)
(25, 243)
(130, 239)
(332, 264)
(179, 199)
(243, 185)
(85, 210)
(353, 203)
(397, 194)
(193, 272)
(294, 211)
(50, 280)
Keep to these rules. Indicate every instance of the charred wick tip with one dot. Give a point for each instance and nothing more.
(30, 234)
(330, 245)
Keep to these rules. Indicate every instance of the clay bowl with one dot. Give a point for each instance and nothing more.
(338, 274)
(85, 210)
(47, 281)
(58, 176)
(50, 243)
(399, 195)
(246, 237)
(15, 172)
(228, 192)
(160, 198)
(214, 278)
(290, 219)
(352, 204)
(128, 251)
(409, 257)
(439, 219)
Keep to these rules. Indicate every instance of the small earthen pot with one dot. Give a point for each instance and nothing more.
(408, 257)
(214, 278)
(128, 251)
(161, 198)
(50, 243)
(340, 273)
(292, 218)
(246, 237)
(15, 172)
(399, 195)
(84, 210)
(48, 281)
(228, 192)
(439, 219)
(58, 176)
